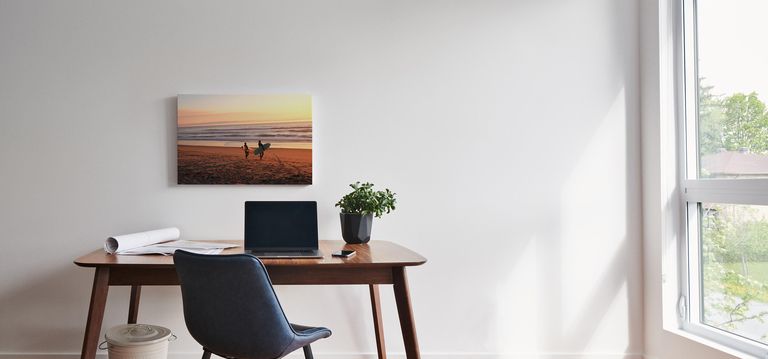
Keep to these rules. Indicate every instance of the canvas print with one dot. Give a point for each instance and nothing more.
(244, 139)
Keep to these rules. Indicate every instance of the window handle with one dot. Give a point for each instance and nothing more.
(682, 307)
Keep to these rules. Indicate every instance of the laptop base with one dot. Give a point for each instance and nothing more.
(286, 254)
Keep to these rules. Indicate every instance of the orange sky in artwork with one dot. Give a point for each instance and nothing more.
(210, 110)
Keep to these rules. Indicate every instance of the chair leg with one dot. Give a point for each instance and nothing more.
(308, 352)
(206, 354)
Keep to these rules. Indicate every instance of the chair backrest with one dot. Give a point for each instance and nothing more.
(230, 306)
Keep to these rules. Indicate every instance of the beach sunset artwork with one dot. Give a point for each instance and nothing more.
(245, 139)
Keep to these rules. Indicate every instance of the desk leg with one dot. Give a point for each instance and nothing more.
(133, 308)
(378, 325)
(95, 312)
(404, 311)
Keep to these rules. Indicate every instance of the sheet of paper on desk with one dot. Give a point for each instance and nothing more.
(167, 251)
(189, 245)
(167, 248)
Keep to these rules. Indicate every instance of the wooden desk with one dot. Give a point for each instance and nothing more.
(377, 262)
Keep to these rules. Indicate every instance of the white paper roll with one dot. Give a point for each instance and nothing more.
(126, 242)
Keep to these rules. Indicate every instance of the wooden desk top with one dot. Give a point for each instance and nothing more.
(373, 254)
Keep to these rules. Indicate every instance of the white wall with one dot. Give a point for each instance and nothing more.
(509, 130)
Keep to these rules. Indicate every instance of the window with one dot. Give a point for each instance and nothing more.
(725, 172)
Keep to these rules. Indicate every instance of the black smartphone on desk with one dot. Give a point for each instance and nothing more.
(343, 254)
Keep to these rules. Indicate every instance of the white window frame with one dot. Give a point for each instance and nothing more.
(695, 191)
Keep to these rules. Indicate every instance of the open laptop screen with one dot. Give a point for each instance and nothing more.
(275, 226)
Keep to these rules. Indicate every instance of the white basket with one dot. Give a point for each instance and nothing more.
(137, 341)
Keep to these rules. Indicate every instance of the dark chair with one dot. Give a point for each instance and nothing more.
(232, 310)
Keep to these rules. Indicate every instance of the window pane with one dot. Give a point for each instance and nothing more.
(734, 261)
(733, 88)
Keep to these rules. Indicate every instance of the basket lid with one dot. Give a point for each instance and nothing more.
(136, 334)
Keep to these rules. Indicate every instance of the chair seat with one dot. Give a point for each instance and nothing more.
(306, 335)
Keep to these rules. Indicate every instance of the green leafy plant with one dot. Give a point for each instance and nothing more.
(364, 200)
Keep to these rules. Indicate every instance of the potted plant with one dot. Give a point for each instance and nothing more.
(358, 208)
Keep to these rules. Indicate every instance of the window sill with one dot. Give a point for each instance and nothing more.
(711, 344)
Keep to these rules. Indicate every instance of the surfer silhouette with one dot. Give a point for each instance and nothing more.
(262, 148)
(246, 149)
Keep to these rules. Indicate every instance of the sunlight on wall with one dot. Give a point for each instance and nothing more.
(518, 304)
(605, 328)
(594, 220)
(567, 288)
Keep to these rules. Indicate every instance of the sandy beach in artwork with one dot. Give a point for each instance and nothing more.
(228, 165)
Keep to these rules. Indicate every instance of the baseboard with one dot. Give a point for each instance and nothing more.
(370, 356)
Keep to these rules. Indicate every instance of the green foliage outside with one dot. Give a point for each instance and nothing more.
(734, 237)
(732, 123)
(364, 200)
(758, 272)
(710, 121)
(745, 123)
(735, 264)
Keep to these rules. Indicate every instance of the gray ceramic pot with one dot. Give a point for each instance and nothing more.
(356, 228)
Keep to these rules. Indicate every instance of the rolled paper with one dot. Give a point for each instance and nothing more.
(126, 242)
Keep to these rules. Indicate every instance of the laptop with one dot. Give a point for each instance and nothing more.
(275, 229)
